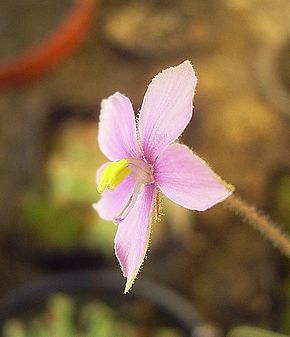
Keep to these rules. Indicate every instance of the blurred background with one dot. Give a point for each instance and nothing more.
(58, 60)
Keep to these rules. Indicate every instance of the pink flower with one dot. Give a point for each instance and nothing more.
(145, 159)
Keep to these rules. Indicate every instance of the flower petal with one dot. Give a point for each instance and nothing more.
(117, 130)
(166, 109)
(113, 202)
(186, 179)
(132, 238)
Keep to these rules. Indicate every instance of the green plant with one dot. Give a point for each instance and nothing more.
(64, 317)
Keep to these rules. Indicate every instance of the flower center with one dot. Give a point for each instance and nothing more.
(117, 171)
(141, 170)
(113, 175)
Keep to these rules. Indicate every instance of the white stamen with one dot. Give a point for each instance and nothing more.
(143, 176)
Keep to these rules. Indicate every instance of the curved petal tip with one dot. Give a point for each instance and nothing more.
(133, 236)
(166, 109)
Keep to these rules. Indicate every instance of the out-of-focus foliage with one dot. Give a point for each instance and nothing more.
(63, 318)
(246, 331)
(283, 199)
(58, 211)
(282, 213)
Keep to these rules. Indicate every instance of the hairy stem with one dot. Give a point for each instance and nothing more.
(260, 222)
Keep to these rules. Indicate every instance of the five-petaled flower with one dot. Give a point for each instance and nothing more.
(145, 159)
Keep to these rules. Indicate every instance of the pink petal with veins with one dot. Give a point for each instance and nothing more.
(166, 109)
(117, 129)
(186, 179)
(132, 238)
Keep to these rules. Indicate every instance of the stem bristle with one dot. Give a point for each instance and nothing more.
(260, 222)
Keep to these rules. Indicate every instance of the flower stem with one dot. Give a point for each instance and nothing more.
(260, 222)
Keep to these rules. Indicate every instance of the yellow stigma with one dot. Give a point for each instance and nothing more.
(113, 175)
